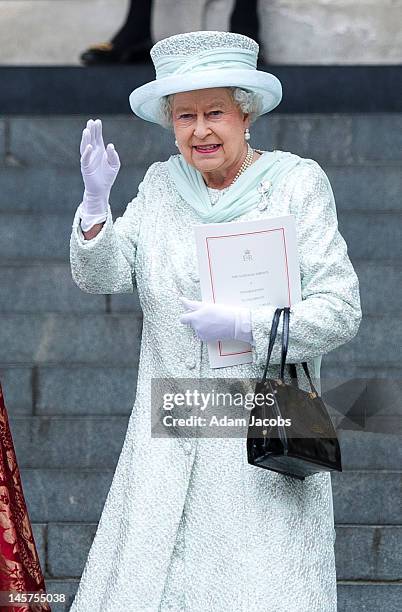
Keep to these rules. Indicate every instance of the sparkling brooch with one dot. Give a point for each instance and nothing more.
(264, 189)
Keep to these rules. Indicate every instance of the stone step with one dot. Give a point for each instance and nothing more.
(81, 90)
(369, 597)
(368, 560)
(110, 390)
(362, 552)
(344, 371)
(328, 138)
(96, 339)
(40, 441)
(368, 553)
(367, 348)
(47, 236)
(55, 141)
(63, 592)
(72, 390)
(55, 495)
(372, 235)
(60, 189)
(352, 596)
(79, 338)
(40, 288)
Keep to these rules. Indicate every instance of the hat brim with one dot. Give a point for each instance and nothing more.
(144, 101)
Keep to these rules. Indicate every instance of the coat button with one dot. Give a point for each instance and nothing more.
(194, 276)
(191, 363)
(187, 447)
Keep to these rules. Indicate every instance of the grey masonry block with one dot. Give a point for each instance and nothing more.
(60, 189)
(308, 135)
(86, 390)
(65, 495)
(266, 132)
(372, 235)
(51, 189)
(125, 302)
(63, 592)
(39, 533)
(370, 403)
(68, 548)
(367, 497)
(55, 338)
(35, 236)
(365, 407)
(55, 141)
(16, 383)
(55, 495)
(366, 450)
(377, 136)
(30, 288)
(2, 142)
(139, 142)
(380, 287)
(340, 372)
(358, 138)
(64, 442)
(49, 141)
(370, 187)
(368, 553)
(368, 597)
(368, 348)
(295, 32)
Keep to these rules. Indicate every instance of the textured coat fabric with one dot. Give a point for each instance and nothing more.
(188, 524)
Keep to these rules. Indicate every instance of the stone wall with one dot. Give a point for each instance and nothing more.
(46, 32)
(332, 31)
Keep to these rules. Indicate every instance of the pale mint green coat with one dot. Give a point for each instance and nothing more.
(190, 525)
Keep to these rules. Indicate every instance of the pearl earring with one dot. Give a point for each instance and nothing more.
(247, 135)
(176, 143)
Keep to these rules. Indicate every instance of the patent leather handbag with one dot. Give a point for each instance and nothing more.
(290, 431)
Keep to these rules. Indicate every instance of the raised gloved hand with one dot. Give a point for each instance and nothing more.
(99, 168)
(217, 321)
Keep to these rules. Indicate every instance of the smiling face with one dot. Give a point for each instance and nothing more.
(210, 117)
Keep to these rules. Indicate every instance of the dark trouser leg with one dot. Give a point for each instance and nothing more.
(137, 26)
(244, 19)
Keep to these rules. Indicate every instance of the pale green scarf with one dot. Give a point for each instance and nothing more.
(242, 196)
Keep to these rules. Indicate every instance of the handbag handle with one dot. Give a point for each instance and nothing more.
(272, 338)
(285, 344)
(285, 340)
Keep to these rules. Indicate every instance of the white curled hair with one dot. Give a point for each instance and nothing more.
(248, 102)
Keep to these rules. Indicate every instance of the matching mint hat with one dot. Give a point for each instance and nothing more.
(201, 60)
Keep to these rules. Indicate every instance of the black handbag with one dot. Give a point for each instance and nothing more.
(308, 444)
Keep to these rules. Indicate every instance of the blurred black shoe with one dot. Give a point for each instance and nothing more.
(107, 53)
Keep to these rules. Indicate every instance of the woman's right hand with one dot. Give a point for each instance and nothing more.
(99, 169)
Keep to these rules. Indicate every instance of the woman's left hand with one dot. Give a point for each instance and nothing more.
(217, 321)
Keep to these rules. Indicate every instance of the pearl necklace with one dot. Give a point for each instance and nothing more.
(246, 164)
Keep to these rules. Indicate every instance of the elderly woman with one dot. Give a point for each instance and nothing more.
(188, 524)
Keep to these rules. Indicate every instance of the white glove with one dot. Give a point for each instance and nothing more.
(217, 321)
(99, 168)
